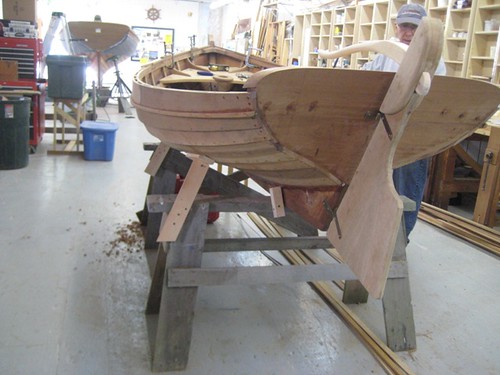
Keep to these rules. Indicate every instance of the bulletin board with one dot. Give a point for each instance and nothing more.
(153, 42)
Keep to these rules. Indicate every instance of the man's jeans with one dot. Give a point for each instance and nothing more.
(409, 181)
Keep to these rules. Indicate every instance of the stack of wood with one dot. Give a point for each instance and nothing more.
(269, 34)
(478, 234)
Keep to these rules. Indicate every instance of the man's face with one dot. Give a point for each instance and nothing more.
(405, 32)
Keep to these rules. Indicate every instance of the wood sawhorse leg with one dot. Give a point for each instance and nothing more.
(175, 306)
(162, 183)
(396, 302)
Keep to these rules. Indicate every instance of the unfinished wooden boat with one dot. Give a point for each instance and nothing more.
(327, 137)
(103, 43)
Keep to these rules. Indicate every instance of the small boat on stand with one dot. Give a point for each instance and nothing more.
(326, 138)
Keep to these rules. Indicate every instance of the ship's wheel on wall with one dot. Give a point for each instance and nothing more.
(153, 13)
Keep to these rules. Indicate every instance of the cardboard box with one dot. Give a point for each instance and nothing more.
(21, 10)
(8, 71)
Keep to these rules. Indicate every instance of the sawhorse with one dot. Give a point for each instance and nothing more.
(177, 274)
(71, 111)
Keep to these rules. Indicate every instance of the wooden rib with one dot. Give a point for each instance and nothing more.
(263, 153)
(387, 359)
(271, 165)
(251, 151)
(475, 233)
(216, 138)
(243, 121)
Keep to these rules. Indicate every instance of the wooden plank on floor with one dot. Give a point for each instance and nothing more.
(475, 233)
(387, 359)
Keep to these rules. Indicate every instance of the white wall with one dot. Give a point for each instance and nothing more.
(186, 17)
(224, 19)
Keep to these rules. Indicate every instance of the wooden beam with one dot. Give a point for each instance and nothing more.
(277, 201)
(257, 244)
(176, 310)
(184, 201)
(157, 158)
(189, 277)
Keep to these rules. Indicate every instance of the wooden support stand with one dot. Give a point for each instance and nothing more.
(177, 274)
(72, 112)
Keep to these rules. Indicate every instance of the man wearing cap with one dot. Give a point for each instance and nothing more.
(407, 21)
(410, 179)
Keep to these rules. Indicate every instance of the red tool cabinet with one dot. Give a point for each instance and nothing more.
(28, 54)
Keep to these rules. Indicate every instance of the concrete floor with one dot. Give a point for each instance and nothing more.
(72, 295)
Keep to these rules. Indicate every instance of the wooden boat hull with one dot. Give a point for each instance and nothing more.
(327, 138)
(304, 129)
(101, 41)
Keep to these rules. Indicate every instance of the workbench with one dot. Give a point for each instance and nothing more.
(485, 181)
(485, 210)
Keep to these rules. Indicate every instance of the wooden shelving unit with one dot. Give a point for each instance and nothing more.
(344, 26)
(365, 26)
(326, 35)
(484, 48)
(350, 34)
(438, 9)
(469, 49)
(457, 40)
(315, 37)
(374, 24)
(301, 33)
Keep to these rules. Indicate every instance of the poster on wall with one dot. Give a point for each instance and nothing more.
(154, 43)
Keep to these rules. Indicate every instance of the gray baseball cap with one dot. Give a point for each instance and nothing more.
(411, 13)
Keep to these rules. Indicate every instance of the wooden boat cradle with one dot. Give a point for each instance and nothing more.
(178, 272)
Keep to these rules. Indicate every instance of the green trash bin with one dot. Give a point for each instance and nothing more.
(14, 133)
(66, 75)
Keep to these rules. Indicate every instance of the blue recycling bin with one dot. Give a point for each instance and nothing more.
(98, 140)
